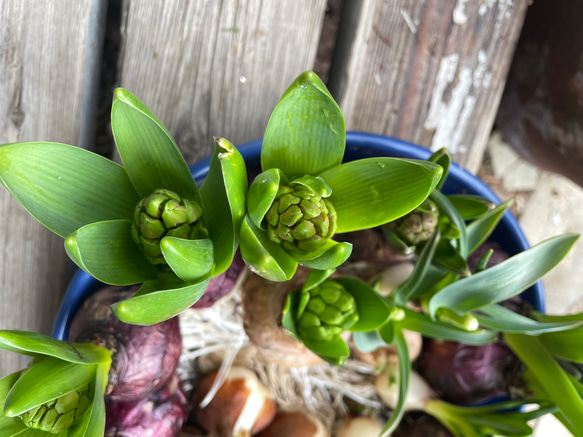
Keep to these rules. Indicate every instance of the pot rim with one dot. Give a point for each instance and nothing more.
(358, 145)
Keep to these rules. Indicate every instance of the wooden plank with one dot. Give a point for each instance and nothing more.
(42, 57)
(216, 68)
(430, 71)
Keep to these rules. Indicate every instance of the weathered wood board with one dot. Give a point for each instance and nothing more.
(42, 59)
(431, 71)
(216, 68)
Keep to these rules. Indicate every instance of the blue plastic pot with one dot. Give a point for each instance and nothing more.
(358, 145)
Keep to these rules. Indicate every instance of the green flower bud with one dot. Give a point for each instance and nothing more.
(329, 311)
(300, 218)
(417, 226)
(165, 214)
(59, 414)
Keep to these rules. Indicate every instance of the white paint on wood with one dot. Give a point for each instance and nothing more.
(411, 24)
(459, 14)
(451, 109)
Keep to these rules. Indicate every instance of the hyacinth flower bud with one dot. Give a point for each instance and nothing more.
(59, 414)
(165, 214)
(329, 311)
(418, 226)
(300, 218)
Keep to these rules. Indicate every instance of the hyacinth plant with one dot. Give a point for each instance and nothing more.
(61, 393)
(305, 194)
(146, 222)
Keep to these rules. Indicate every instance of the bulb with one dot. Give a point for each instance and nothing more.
(363, 426)
(241, 407)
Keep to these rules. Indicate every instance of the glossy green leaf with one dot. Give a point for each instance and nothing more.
(191, 260)
(552, 318)
(368, 341)
(500, 319)
(565, 344)
(373, 310)
(482, 263)
(551, 377)
(448, 258)
(150, 156)
(455, 218)
(479, 230)
(411, 287)
(504, 280)
(315, 183)
(153, 304)
(9, 426)
(263, 256)
(289, 313)
(46, 380)
(334, 255)
(442, 158)
(224, 193)
(373, 191)
(423, 324)
(107, 252)
(65, 187)
(387, 332)
(33, 344)
(404, 373)
(470, 207)
(306, 133)
(315, 278)
(93, 423)
(261, 195)
(335, 351)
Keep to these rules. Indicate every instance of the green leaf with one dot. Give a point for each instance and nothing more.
(562, 344)
(316, 184)
(368, 341)
(93, 423)
(315, 278)
(191, 260)
(153, 304)
(387, 332)
(33, 344)
(224, 194)
(48, 379)
(334, 351)
(479, 230)
(504, 280)
(334, 255)
(500, 319)
(550, 376)
(262, 193)
(470, 207)
(404, 373)
(422, 324)
(456, 219)
(306, 133)
(373, 310)
(373, 191)
(107, 251)
(65, 187)
(442, 158)
(421, 270)
(448, 258)
(482, 263)
(9, 426)
(150, 156)
(263, 256)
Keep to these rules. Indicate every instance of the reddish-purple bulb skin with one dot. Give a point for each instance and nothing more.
(161, 414)
(143, 357)
(222, 284)
(465, 374)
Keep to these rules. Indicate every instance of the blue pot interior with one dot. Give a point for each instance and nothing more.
(358, 145)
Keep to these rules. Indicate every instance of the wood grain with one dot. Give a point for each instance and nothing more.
(216, 68)
(41, 73)
(431, 71)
